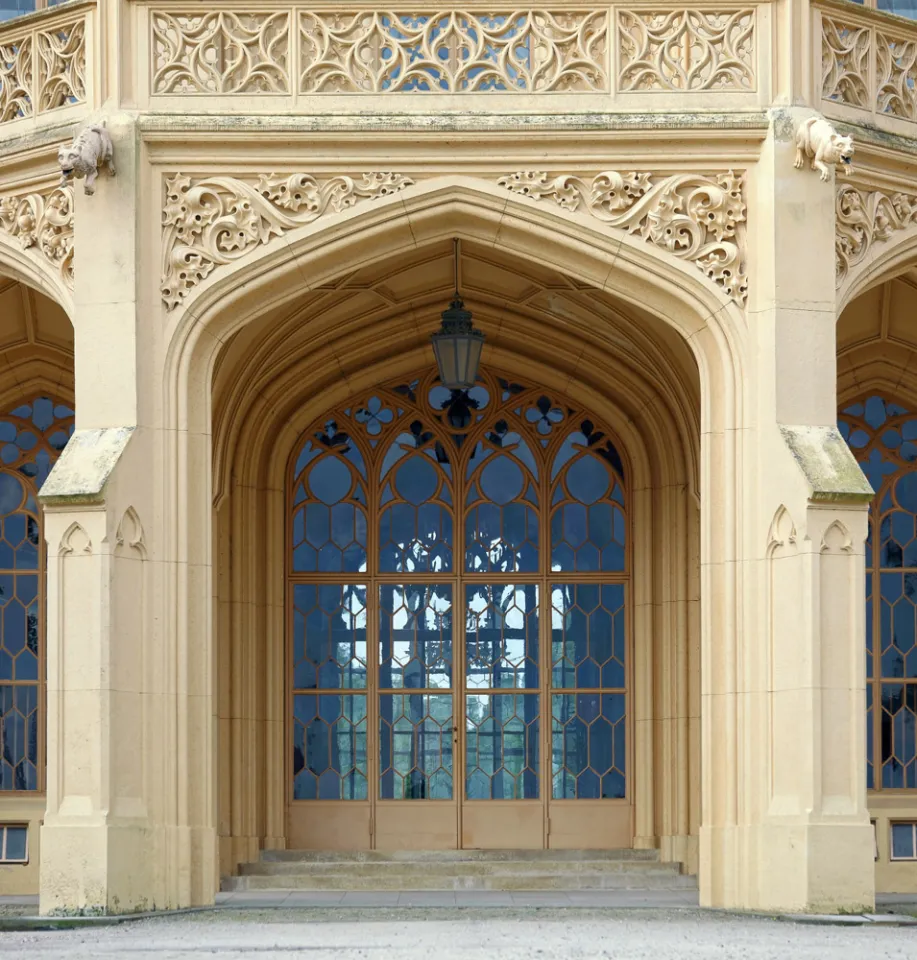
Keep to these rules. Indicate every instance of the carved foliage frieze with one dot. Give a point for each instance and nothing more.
(686, 50)
(864, 218)
(218, 220)
(221, 52)
(700, 219)
(43, 225)
(42, 70)
(452, 51)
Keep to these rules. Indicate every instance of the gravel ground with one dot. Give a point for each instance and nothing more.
(534, 934)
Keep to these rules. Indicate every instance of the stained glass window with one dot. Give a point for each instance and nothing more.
(31, 437)
(457, 600)
(883, 436)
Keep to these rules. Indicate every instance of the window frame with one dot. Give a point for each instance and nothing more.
(4, 833)
(891, 841)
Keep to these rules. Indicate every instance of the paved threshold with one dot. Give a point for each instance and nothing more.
(431, 900)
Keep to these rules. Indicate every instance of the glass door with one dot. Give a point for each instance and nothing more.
(418, 734)
(457, 602)
(502, 717)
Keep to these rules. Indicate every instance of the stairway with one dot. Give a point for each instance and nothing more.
(510, 870)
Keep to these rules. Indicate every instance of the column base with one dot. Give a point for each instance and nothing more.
(93, 869)
(789, 868)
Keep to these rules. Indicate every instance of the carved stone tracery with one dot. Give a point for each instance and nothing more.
(454, 51)
(686, 50)
(220, 52)
(43, 224)
(696, 218)
(42, 69)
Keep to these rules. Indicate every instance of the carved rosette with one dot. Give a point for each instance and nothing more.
(218, 220)
(696, 218)
(866, 217)
(43, 224)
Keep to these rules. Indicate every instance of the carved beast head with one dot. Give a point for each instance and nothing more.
(840, 149)
(69, 159)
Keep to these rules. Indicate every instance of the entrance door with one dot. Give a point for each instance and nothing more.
(457, 613)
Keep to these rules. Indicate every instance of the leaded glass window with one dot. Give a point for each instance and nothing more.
(883, 436)
(32, 436)
(457, 599)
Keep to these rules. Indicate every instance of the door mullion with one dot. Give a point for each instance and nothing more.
(372, 706)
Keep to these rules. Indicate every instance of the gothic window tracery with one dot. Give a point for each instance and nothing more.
(458, 584)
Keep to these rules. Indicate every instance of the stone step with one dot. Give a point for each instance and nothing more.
(443, 856)
(450, 868)
(423, 879)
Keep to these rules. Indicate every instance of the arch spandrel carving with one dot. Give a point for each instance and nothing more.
(211, 223)
(38, 226)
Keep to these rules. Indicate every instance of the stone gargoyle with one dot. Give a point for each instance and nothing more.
(823, 145)
(85, 157)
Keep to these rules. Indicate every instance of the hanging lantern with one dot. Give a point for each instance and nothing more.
(457, 345)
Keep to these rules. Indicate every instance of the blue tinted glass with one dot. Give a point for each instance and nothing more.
(329, 747)
(16, 8)
(501, 636)
(904, 8)
(416, 480)
(588, 479)
(588, 636)
(588, 746)
(329, 480)
(899, 736)
(502, 479)
(329, 636)
(415, 636)
(903, 840)
(16, 843)
(19, 737)
(415, 746)
(502, 746)
(415, 539)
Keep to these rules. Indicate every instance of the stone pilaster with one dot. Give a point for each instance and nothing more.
(785, 824)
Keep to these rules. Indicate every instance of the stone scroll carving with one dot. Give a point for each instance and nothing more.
(43, 224)
(696, 218)
(218, 220)
(220, 52)
(452, 51)
(42, 69)
(686, 50)
(866, 217)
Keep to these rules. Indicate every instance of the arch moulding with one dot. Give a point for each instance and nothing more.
(278, 272)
